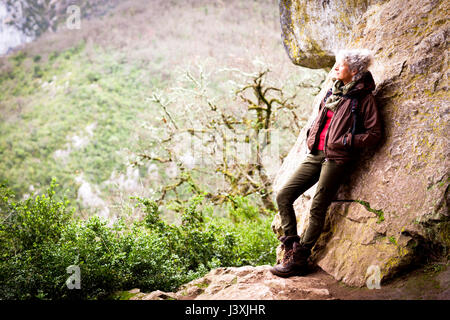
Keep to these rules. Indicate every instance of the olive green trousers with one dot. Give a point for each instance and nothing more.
(315, 168)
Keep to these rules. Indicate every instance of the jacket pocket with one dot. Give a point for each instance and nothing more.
(347, 140)
(341, 144)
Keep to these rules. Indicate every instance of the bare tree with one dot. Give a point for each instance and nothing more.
(231, 139)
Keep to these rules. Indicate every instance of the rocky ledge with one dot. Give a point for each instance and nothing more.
(428, 282)
(244, 283)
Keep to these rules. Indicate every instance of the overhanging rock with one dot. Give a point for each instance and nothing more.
(313, 30)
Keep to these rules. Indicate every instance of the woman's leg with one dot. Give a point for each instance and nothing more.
(330, 179)
(304, 178)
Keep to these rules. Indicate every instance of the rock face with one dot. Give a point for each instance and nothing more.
(402, 184)
(11, 36)
(22, 21)
(244, 283)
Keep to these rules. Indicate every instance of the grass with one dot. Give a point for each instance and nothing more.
(392, 240)
(378, 212)
(122, 295)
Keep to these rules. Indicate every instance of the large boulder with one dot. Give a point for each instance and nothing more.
(401, 186)
(313, 30)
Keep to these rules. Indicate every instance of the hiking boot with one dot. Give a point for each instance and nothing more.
(287, 243)
(295, 260)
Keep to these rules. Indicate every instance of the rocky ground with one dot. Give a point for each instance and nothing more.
(430, 282)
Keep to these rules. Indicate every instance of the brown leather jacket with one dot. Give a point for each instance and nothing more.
(339, 145)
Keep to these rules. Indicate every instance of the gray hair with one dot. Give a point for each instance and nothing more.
(358, 60)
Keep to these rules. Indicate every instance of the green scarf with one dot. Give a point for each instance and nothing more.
(337, 91)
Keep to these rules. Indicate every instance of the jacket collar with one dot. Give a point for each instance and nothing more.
(363, 86)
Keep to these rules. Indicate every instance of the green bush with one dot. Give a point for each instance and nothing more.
(93, 77)
(32, 222)
(37, 73)
(19, 57)
(40, 238)
(28, 230)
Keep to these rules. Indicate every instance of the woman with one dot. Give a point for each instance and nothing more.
(333, 140)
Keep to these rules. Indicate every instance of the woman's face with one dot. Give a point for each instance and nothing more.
(343, 72)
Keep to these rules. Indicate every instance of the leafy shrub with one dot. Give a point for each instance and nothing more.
(32, 222)
(37, 73)
(19, 57)
(27, 230)
(93, 77)
(40, 238)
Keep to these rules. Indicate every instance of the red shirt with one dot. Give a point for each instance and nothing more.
(324, 130)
